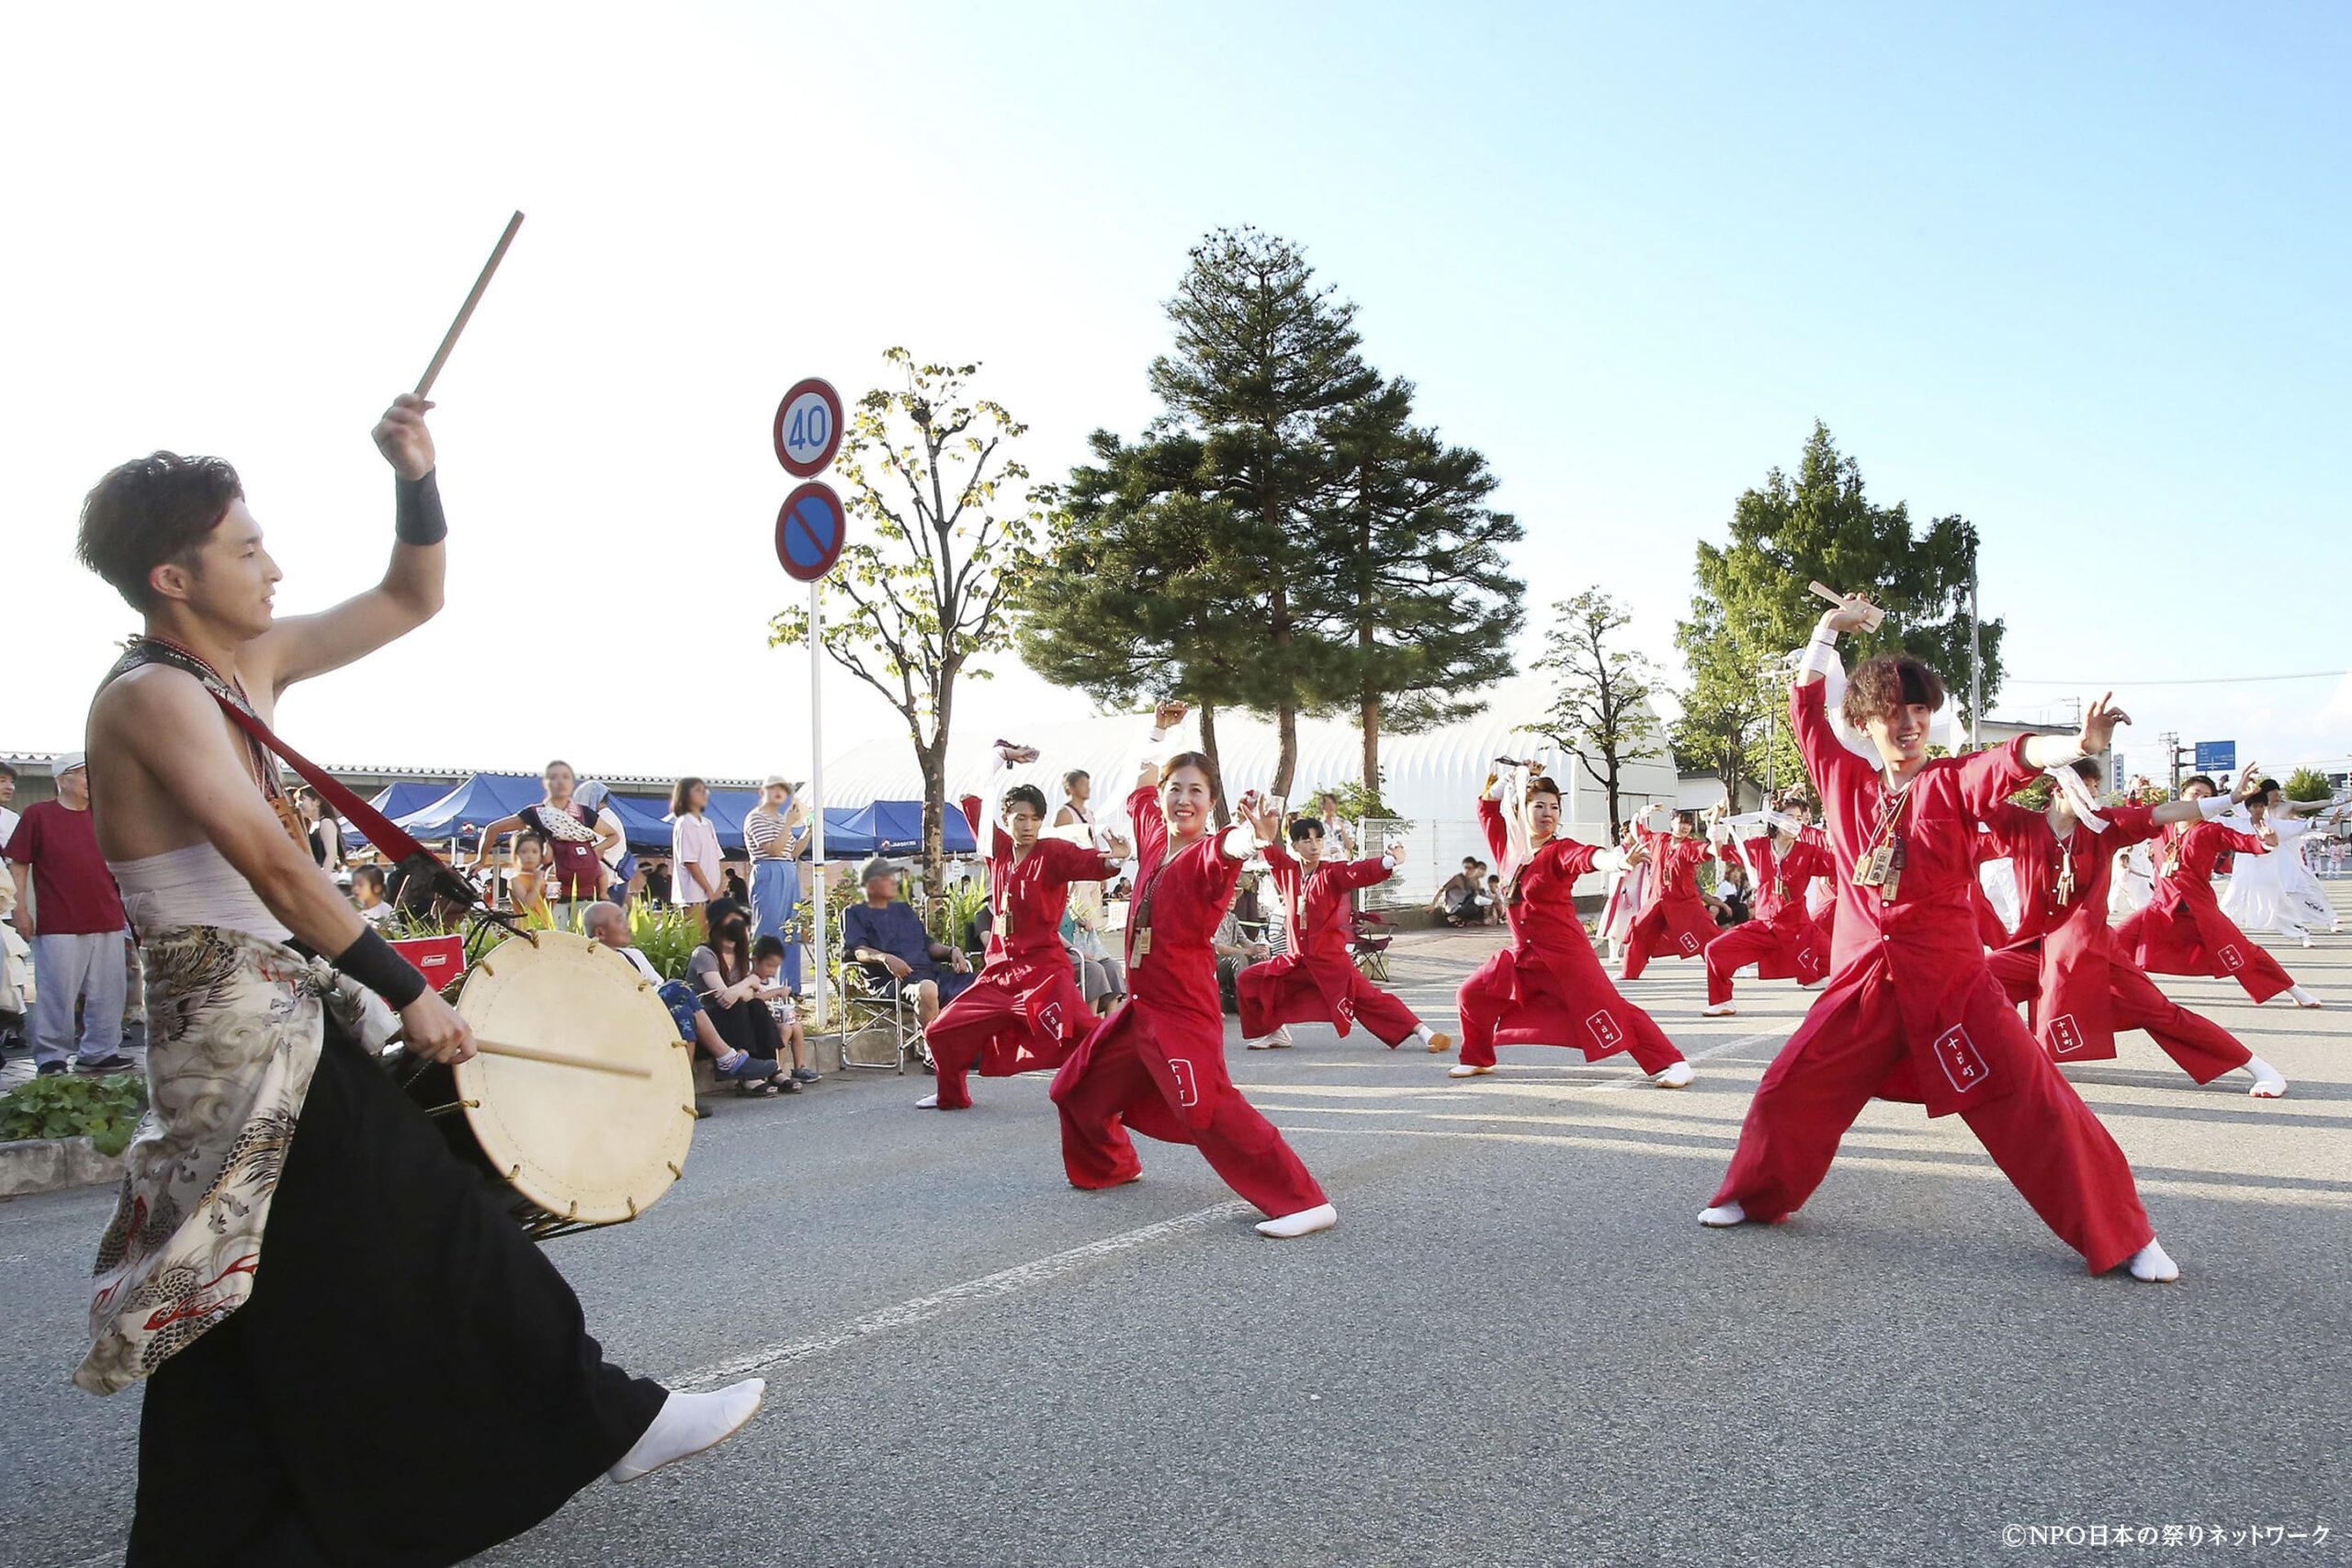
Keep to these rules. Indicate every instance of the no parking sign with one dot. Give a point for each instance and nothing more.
(809, 531)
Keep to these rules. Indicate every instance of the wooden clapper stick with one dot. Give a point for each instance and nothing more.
(1819, 592)
(466, 311)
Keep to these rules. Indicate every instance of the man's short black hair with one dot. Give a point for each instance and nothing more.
(2267, 786)
(1023, 794)
(1469, 861)
(1304, 828)
(2090, 770)
(152, 511)
(2199, 779)
(767, 947)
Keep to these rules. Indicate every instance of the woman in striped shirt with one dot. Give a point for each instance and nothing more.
(773, 835)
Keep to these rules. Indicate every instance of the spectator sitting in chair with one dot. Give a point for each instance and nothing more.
(1493, 902)
(368, 892)
(721, 971)
(1235, 950)
(886, 934)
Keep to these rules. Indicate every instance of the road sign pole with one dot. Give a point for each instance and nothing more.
(817, 789)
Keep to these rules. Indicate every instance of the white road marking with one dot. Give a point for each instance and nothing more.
(922, 1309)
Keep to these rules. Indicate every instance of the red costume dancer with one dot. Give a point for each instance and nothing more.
(1673, 918)
(2065, 964)
(2181, 929)
(1024, 1012)
(1780, 938)
(1317, 981)
(1157, 1064)
(1911, 1012)
(1547, 987)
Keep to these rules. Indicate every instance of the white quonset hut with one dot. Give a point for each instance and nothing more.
(1432, 780)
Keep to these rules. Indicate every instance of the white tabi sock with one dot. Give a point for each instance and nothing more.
(689, 1424)
(1718, 1010)
(2151, 1264)
(1306, 1222)
(1675, 1076)
(1438, 1043)
(1464, 1070)
(1263, 1042)
(928, 1102)
(2304, 998)
(1722, 1216)
(2267, 1082)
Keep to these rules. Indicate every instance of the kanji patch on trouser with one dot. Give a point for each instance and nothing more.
(1689, 943)
(2066, 1034)
(2231, 959)
(1605, 1032)
(1049, 1018)
(1960, 1059)
(1188, 1091)
(1344, 1011)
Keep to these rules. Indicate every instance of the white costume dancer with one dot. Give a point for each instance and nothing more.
(2134, 882)
(2276, 892)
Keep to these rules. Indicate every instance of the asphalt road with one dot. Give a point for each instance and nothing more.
(1517, 1348)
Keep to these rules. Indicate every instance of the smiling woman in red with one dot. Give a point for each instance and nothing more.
(1156, 1065)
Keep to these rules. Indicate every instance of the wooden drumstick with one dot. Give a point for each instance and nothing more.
(465, 311)
(1819, 592)
(559, 1059)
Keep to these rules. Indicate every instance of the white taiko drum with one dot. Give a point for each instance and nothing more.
(580, 1143)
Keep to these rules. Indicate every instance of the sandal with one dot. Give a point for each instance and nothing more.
(757, 1088)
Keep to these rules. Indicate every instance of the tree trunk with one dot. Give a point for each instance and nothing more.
(1286, 752)
(934, 819)
(1208, 745)
(1372, 745)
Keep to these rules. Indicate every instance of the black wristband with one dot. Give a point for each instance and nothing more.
(416, 516)
(374, 963)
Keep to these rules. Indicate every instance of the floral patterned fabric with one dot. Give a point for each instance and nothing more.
(235, 1026)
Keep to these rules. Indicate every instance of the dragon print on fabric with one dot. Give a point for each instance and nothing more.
(235, 1026)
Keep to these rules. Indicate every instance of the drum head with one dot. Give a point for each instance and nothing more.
(596, 1147)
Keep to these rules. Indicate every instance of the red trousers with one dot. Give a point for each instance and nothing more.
(988, 1028)
(1273, 995)
(2203, 1049)
(1239, 1145)
(1757, 942)
(1669, 930)
(1490, 1004)
(2040, 1133)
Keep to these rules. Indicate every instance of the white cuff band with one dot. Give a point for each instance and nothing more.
(1819, 657)
(2215, 806)
(1608, 860)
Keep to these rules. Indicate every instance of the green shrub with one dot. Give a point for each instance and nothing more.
(105, 1109)
(951, 917)
(2308, 784)
(667, 938)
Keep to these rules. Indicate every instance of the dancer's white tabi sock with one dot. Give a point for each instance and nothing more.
(2152, 1265)
(1306, 1222)
(1263, 1042)
(1719, 1010)
(1676, 1075)
(2304, 998)
(928, 1102)
(1438, 1042)
(2268, 1082)
(1464, 1070)
(1722, 1216)
(689, 1424)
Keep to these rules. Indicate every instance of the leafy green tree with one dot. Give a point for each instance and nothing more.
(1752, 604)
(1419, 596)
(2307, 783)
(1603, 707)
(956, 534)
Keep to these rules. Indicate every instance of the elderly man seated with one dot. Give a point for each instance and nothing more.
(886, 934)
(608, 924)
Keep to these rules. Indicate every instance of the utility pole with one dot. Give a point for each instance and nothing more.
(1975, 658)
(2171, 739)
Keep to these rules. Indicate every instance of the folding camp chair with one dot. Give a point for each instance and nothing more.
(878, 1030)
(1369, 946)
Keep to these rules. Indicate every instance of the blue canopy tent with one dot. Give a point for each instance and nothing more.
(646, 820)
(474, 804)
(896, 826)
(396, 801)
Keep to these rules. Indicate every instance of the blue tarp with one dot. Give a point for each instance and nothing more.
(474, 804)
(896, 826)
(396, 801)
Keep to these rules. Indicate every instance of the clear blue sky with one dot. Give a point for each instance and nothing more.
(2077, 272)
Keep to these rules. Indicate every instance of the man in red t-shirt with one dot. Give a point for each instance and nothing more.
(68, 910)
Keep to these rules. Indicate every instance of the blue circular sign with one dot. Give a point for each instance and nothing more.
(810, 530)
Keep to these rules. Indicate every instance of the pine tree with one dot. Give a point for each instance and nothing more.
(1421, 603)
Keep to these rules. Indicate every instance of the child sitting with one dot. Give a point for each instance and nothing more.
(767, 966)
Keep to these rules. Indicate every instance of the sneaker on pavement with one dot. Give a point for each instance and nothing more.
(117, 1063)
(51, 1069)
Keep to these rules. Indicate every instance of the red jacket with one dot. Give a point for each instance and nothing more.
(1319, 929)
(2074, 1013)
